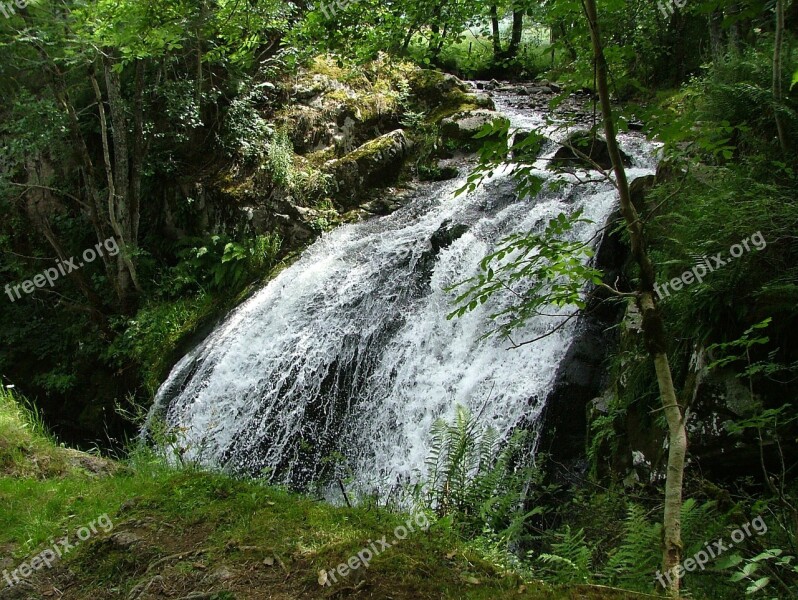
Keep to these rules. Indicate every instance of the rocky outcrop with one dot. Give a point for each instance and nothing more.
(582, 374)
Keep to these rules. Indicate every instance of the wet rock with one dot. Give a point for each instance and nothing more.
(526, 145)
(463, 126)
(444, 237)
(583, 143)
(639, 189)
(442, 170)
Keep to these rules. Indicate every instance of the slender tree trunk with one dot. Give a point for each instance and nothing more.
(496, 34)
(716, 34)
(778, 94)
(408, 39)
(117, 176)
(568, 45)
(517, 32)
(653, 325)
(734, 30)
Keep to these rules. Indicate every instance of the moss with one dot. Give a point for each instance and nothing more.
(369, 149)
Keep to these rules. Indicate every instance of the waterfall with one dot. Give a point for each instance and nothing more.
(346, 359)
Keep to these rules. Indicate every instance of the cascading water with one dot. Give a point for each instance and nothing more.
(348, 355)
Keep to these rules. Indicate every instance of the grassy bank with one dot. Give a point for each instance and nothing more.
(183, 533)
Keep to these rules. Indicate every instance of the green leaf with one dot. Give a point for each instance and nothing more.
(757, 585)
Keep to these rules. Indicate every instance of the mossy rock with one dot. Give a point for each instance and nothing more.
(463, 126)
(375, 163)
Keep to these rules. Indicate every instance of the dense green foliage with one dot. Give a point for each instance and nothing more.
(156, 122)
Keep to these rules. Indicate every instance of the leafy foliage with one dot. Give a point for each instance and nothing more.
(475, 477)
(540, 269)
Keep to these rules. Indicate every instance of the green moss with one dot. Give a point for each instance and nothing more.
(370, 148)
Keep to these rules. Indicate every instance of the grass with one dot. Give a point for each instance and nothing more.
(182, 533)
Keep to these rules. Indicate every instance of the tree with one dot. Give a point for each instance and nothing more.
(778, 95)
(653, 324)
(556, 269)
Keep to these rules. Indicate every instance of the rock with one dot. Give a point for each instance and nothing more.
(484, 101)
(527, 149)
(93, 465)
(315, 86)
(463, 126)
(439, 172)
(444, 237)
(638, 190)
(124, 540)
(375, 163)
(667, 171)
(594, 148)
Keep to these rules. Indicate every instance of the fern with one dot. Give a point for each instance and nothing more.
(570, 560)
(637, 557)
(475, 476)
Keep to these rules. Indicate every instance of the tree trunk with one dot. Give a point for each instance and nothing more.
(568, 45)
(653, 325)
(497, 38)
(778, 94)
(118, 180)
(518, 30)
(716, 34)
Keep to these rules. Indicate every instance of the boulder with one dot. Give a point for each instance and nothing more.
(438, 172)
(583, 143)
(526, 145)
(638, 190)
(446, 235)
(463, 126)
(375, 163)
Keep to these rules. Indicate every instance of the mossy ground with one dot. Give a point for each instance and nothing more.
(183, 533)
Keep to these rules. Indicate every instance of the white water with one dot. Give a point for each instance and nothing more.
(348, 352)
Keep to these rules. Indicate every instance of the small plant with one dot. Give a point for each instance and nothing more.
(570, 558)
(476, 477)
(280, 159)
(752, 572)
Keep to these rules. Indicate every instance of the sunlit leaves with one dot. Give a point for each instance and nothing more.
(537, 270)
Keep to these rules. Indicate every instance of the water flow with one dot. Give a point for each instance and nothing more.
(346, 359)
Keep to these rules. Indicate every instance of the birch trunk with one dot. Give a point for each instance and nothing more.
(653, 325)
